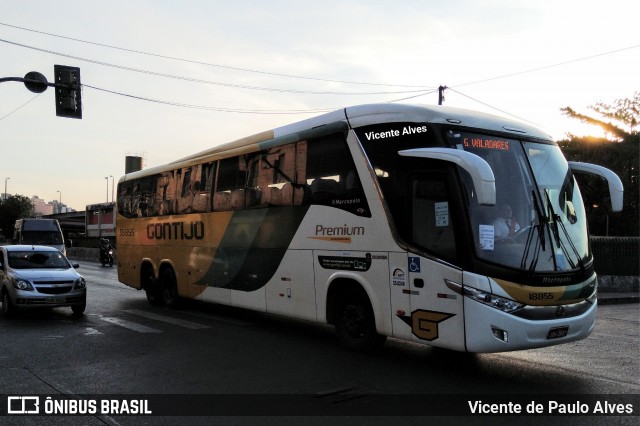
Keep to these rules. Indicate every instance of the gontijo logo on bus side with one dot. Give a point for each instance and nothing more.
(176, 230)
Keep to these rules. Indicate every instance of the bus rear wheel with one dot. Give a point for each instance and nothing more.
(169, 288)
(355, 322)
(151, 287)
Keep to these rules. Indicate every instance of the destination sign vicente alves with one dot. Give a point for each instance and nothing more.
(394, 133)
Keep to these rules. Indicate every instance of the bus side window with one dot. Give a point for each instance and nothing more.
(431, 221)
(259, 177)
(324, 191)
(124, 199)
(332, 177)
(165, 194)
(195, 183)
(271, 177)
(230, 185)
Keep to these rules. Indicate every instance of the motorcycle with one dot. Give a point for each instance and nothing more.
(106, 256)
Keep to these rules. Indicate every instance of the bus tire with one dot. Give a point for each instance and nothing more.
(151, 287)
(355, 322)
(169, 288)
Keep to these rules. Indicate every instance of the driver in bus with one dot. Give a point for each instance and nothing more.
(505, 225)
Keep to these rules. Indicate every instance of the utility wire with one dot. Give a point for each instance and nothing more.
(209, 64)
(209, 108)
(518, 73)
(573, 61)
(417, 93)
(492, 107)
(197, 80)
(414, 96)
(21, 106)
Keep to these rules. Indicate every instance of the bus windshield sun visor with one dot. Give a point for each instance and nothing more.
(483, 179)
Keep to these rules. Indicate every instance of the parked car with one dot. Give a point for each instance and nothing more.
(39, 276)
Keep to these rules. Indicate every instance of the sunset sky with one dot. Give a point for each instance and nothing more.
(171, 78)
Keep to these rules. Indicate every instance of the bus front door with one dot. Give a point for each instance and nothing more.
(436, 310)
(436, 315)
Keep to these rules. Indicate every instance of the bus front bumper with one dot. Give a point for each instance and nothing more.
(490, 330)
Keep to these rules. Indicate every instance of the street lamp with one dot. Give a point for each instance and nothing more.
(5, 188)
(113, 182)
(107, 178)
(60, 202)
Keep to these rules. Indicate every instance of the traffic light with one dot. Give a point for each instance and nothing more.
(68, 91)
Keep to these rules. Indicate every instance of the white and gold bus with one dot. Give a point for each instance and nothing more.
(383, 220)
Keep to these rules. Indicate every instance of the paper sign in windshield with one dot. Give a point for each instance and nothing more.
(487, 234)
(442, 214)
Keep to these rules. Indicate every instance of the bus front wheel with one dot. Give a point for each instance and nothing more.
(355, 322)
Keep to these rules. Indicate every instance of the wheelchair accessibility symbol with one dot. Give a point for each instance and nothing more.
(414, 264)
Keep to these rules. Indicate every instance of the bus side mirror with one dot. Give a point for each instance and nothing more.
(483, 179)
(616, 190)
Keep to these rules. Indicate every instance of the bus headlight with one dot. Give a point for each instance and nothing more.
(500, 303)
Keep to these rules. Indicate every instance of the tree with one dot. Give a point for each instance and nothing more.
(13, 208)
(623, 112)
(621, 153)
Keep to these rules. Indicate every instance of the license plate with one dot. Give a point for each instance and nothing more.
(55, 300)
(557, 332)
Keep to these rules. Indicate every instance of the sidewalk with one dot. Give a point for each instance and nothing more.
(618, 297)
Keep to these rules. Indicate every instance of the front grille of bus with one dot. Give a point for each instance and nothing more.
(541, 313)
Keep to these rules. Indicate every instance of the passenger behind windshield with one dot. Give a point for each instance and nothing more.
(505, 225)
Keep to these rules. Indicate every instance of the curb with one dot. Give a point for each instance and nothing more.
(612, 298)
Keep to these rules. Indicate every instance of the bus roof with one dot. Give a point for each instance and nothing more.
(362, 115)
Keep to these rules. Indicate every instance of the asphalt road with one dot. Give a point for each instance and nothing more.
(123, 346)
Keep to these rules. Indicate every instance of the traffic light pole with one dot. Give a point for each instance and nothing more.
(32, 82)
(67, 86)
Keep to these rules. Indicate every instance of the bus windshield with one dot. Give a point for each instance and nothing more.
(538, 222)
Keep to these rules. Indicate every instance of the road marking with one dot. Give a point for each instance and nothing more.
(216, 318)
(170, 320)
(51, 337)
(130, 325)
(90, 331)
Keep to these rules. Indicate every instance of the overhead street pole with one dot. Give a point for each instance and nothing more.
(441, 90)
(32, 82)
(68, 96)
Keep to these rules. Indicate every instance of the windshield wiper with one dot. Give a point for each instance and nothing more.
(557, 224)
(540, 241)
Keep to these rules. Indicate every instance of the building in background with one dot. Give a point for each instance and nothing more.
(100, 220)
